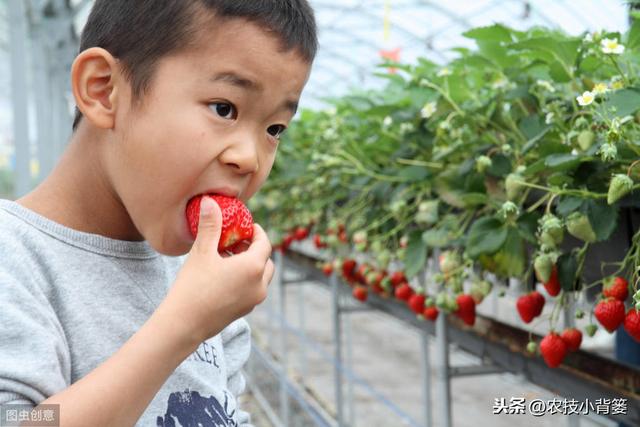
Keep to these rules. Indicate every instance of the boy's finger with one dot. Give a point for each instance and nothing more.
(209, 226)
(268, 272)
(260, 243)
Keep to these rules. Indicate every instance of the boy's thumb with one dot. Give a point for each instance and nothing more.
(209, 224)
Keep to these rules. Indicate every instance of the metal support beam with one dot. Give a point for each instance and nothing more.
(20, 96)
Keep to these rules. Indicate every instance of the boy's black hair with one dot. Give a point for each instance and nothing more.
(140, 32)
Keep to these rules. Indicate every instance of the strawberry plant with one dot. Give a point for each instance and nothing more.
(500, 160)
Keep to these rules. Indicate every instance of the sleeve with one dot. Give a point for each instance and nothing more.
(236, 344)
(34, 355)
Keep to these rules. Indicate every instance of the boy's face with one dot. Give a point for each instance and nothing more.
(209, 123)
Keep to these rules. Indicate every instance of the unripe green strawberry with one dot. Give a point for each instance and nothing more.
(579, 227)
(441, 301)
(532, 347)
(513, 185)
(449, 261)
(551, 230)
(585, 139)
(383, 259)
(376, 247)
(427, 212)
(579, 314)
(509, 211)
(591, 329)
(619, 186)
(482, 163)
(543, 264)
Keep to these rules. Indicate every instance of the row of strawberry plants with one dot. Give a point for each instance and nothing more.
(492, 159)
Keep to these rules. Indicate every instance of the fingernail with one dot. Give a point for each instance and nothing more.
(206, 205)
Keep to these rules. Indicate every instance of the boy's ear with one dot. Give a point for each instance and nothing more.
(95, 83)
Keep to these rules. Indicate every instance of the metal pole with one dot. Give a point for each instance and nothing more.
(442, 370)
(442, 377)
(349, 366)
(284, 398)
(19, 96)
(43, 105)
(302, 322)
(570, 322)
(426, 379)
(337, 337)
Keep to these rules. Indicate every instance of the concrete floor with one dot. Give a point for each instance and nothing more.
(386, 353)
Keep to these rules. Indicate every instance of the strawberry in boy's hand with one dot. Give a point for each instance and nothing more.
(237, 222)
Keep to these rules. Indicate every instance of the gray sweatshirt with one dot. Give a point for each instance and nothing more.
(69, 300)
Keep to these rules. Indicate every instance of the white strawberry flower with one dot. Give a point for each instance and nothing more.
(586, 98)
(548, 119)
(617, 83)
(600, 88)
(588, 38)
(428, 110)
(501, 83)
(388, 121)
(574, 152)
(444, 72)
(611, 46)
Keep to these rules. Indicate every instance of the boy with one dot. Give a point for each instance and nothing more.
(101, 310)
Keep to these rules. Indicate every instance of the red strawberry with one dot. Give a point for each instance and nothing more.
(327, 269)
(416, 303)
(403, 292)
(342, 235)
(617, 288)
(361, 273)
(237, 223)
(318, 241)
(360, 293)
(610, 313)
(632, 323)
(348, 265)
(527, 307)
(572, 338)
(553, 349)
(539, 301)
(288, 239)
(466, 309)
(397, 277)
(553, 285)
(430, 313)
(301, 233)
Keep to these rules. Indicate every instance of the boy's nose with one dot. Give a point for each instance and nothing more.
(241, 155)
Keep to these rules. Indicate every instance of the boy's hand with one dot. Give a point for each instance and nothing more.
(213, 290)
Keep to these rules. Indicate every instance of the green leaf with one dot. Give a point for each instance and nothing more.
(486, 236)
(474, 199)
(633, 36)
(567, 267)
(510, 260)
(569, 204)
(558, 162)
(415, 173)
(436, 237)
(625, 102)
(416, 254)
(500, 166)
(495, 33)
(603, 218)
(528, 225)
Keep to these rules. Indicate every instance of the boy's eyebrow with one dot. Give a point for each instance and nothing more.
(236, 80)
(245, 83)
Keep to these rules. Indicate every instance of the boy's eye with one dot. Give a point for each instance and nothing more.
(224, 109)
(276, 130)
